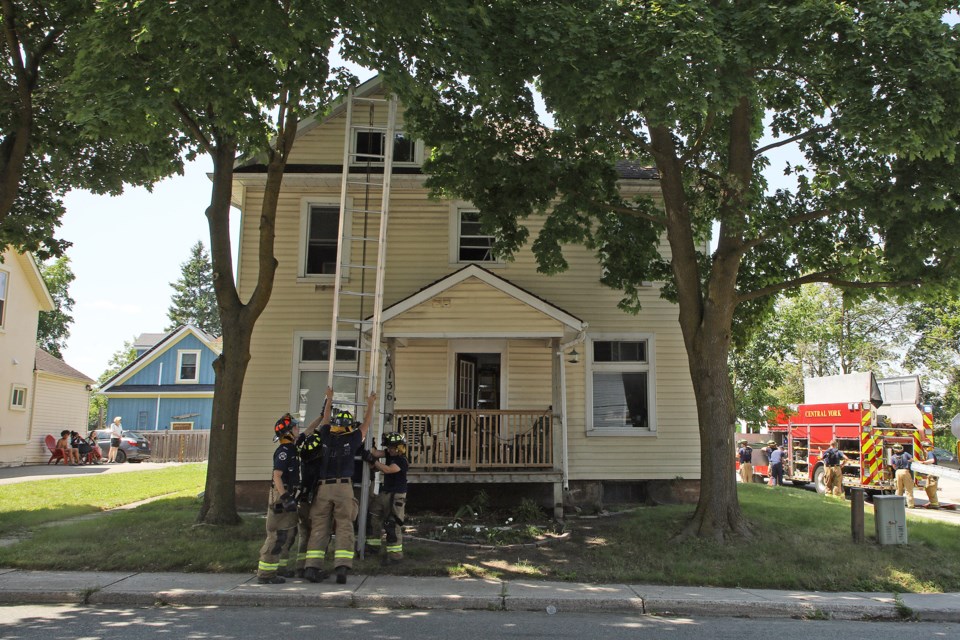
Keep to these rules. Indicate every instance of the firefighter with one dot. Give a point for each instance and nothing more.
(775, 455)
(931, 482)
(900, 461)
(335, 505)
(310, 449)
(745, 456)
(832, 473)
(388, 508)
(282, 504)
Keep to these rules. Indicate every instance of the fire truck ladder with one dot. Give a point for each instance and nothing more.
(361, 258)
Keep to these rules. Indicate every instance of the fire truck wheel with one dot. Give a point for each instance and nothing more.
(818, 480)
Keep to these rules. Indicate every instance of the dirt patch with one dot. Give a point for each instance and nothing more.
(439, 545)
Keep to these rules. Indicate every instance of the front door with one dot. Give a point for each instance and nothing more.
(466, 384)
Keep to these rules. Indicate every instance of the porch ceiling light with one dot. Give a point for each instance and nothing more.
(574, 357)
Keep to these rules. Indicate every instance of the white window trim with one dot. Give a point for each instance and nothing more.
(5, 298)
(343, 252)
(418, 153)
(13, 389)
(180, 354)
(454, 241)
(649, 367)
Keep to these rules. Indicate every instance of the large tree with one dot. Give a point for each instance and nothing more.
(194, 301)
(233, 81)
(53, 327)
(867, 92)
(42, 152)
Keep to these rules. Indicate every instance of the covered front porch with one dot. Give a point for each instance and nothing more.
(475, 378)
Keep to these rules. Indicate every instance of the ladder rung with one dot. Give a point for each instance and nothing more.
(354, 321)
(367, 211)
(375, 128)
(359, 294)
(362, 238)
(370, 100)
(358, 266)
(363, 349)
(354, 376)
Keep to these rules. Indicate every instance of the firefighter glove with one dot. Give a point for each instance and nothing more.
(367, 456)
(287, 502)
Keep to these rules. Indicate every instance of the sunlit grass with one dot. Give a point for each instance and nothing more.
(25, 505)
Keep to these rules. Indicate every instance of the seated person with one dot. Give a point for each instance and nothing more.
(70, 454)
(96, 455)
(80, 444)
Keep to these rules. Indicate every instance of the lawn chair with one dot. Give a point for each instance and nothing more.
(56, 455)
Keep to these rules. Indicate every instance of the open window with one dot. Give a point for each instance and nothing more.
(622, 386)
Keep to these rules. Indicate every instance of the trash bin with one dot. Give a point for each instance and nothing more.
(890, 516)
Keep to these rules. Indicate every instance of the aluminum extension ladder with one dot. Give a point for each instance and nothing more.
(358, 291)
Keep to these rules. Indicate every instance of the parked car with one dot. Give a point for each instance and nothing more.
(946, 458)
(133, 446)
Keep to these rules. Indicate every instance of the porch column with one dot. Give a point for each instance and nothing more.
(559, 419)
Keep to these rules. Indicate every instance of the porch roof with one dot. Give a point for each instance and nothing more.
(474, 302)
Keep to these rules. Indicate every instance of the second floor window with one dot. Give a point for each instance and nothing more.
(18, 398)
(3, 296)
(323, 231)
(473, 245)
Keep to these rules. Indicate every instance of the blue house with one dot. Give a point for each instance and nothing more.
(169, 385)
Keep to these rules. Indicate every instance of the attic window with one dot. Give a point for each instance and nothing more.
(188, 366)
(369, 147)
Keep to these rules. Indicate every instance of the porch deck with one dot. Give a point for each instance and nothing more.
(444, 444)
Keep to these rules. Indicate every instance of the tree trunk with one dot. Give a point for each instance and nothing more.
(718, 514)
(219, 504)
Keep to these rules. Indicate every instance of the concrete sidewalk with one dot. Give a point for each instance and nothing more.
(371, 592)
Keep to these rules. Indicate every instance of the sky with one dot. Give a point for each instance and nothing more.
(126, 251)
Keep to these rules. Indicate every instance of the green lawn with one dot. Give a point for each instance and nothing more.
(801, 541)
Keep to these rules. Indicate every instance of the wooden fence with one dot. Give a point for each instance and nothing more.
(178, 446)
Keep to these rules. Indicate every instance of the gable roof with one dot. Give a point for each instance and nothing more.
(500, 284)
(28, 264)
(48, 363)
(168, 341)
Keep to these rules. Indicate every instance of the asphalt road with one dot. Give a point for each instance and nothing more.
(89, 623)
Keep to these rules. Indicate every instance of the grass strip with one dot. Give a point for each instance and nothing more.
(24, 505)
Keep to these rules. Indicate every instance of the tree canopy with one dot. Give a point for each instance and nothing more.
(43, 152)
(194, 301)
(53, 327)
(868, 93)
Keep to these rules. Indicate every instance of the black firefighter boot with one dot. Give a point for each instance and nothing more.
(312, 574)
(341, 575)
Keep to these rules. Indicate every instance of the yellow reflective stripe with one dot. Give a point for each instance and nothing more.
(313, 555)
(301, 556)
(267, 566)
(343, 553)
(865, 420)
(395, 548)
(374, 542)
(282, 563)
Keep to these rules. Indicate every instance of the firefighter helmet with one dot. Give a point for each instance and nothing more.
(393, 439)
(772, 443)
(284, 426)
(343, 419)
(898, 447)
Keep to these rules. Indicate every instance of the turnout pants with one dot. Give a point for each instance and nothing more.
(303, 534)
(746, 472)
(905, 485)
(281, 532)
(930, 487)
(833, 480)
(387, 511)
(334, 506)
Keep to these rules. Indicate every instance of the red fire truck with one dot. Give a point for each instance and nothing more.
(866, 430)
